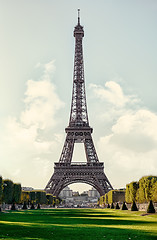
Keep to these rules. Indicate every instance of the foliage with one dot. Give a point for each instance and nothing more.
(41, 197)
(131, 189)
(110, 196)
(25, 196)
(150, 208)
(145, 188)
(49, 198)
(16, 193)
(154, 192)
(32, 196)
(8, 189)
(1, 188)
(134, 207)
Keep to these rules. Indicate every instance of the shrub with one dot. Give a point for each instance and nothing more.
(124, 207)
(38, 207)
(108, 205)
(134, 207)
(150, 208)
(112, 205)
(24, 206)
(117, 206)
(32, 206)
(13, 207)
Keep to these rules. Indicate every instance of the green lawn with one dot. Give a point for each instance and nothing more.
(69, 224)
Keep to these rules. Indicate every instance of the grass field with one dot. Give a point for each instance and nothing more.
(83, 224)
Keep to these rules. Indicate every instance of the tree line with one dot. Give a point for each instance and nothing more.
(11, 193)
(142, 191)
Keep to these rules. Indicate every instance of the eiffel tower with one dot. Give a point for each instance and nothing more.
(65, 171)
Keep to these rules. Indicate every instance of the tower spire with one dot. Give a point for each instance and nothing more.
(78, 16)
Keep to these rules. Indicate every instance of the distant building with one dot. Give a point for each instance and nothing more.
(75, 193)
(93, 193)
(27, 189)
(66, 193)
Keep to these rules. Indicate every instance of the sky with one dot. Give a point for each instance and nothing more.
(36, 74)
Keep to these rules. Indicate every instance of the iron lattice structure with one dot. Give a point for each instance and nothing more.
(78, 131)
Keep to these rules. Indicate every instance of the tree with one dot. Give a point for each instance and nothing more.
(49, 198)
(1, 188)
(17, 193)
(146, 185)
(154, 192)
(8, 189)
(32, 198)
(131, 190)
(41, 198)
(25, 196)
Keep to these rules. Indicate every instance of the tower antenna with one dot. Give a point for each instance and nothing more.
(78, 16)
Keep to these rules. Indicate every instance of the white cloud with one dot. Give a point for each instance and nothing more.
(130, 149)
(30, 142)
(113, 94)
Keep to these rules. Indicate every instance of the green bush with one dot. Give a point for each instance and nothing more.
(112, 205)
(117, 206)
(134, 207)
(24, 206)
(32, 206)
(150, 208)
(38, 206)
(124, 207)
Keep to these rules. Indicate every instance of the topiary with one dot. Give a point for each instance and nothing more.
(124, 207)
(24, 206)
(108, 205)
(117, 206)
(134, 207)
(32, 206)
(38, 207)
(13, 207)
(112, 205)
(150, 208)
